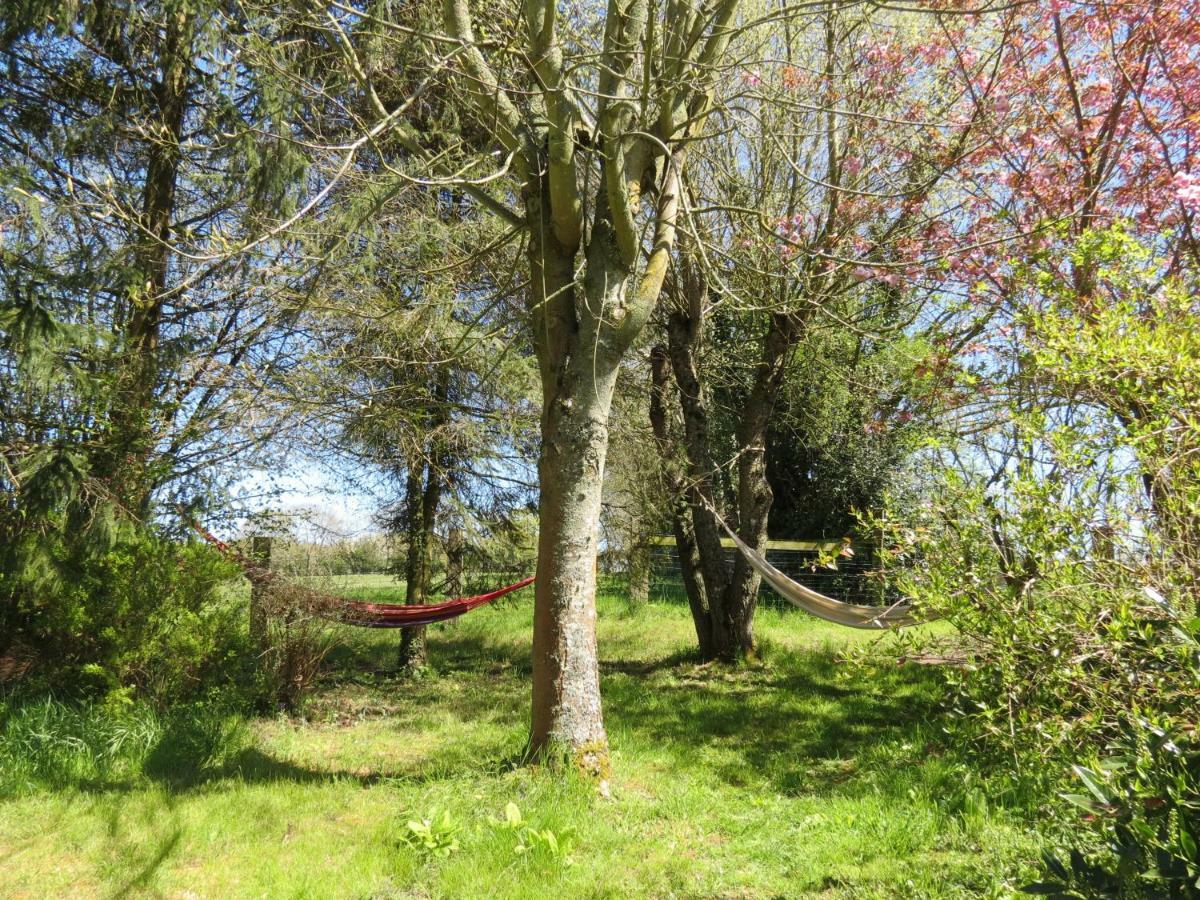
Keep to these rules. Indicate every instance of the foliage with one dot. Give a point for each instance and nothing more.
(530, 840)
(1066, 561)
(851, 414)
(51, 744)
(434, 835)
(1145, 795)
(148, 616)
(297, 639)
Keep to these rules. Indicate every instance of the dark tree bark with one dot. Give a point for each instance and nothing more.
(685, 541)
(423, 495)
(260, 552)
(727, 598)
(126, 467)
(424, 500)
(456, 551)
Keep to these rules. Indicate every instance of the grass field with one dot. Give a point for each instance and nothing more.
(805, 776)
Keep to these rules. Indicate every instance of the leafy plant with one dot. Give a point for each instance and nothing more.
(434, 835)
(532, 841)
(1065, 550)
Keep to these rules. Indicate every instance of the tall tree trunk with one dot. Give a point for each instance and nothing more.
(581, 332)
(754, 494)
(456, 551)
(566, 678)
(422, 502)
(413, 653)
(579, 343)
(412, 640)
(683, 336)
(731, 596)
(128, 463)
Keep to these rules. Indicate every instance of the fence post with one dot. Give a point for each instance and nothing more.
(456, 548)
(260, 552)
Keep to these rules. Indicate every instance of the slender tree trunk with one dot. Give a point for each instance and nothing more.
(412, 640)
(260, 552)
(685, 542)
(754, 494)
(127, 467)
(422, 502)
(413, 653)
(683, 333)
(456, 550)
(639, 573)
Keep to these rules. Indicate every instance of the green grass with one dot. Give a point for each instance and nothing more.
(803, 776)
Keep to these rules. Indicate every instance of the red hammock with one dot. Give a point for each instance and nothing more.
(398, 615)
(370, 615)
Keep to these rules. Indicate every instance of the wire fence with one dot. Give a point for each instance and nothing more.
(857, 579)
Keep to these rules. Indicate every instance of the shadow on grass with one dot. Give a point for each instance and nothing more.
(180, 770)
(452, 649)
(643, 667)
(449, 655)
(147, 868)
(804, 723)
(796, 725)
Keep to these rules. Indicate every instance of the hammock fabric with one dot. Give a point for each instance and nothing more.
(357, 612)
(852, 615)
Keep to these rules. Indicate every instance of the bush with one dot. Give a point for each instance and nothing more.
(298, 638)
(147, 617)
(1069, 566)
(1075, 670)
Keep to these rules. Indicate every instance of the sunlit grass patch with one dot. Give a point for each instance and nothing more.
(804, 774)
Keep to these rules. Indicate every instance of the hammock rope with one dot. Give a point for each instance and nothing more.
(851, 615)
(358, 612)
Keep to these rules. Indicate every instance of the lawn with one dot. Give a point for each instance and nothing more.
(809, 774)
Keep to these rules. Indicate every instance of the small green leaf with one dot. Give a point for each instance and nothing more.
(1187, 843)
(1089, 779)
(1084, 802)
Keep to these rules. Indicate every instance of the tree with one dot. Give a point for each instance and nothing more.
(844, 150)
(410, 373)
(595, 121)
(135, 164)
(135, 167)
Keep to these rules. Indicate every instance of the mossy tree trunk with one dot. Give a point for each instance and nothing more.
(601, 227)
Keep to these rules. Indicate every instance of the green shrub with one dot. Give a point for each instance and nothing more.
(1069, 567)
(148, 617)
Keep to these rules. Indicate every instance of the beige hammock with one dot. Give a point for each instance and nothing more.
(852, 615)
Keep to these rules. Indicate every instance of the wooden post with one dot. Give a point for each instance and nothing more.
(456, 548)
(260, 552)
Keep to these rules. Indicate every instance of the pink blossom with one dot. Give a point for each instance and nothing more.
(1187, 190)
